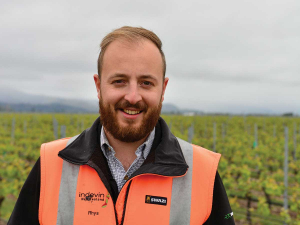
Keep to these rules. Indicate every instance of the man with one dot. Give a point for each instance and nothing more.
(127, 168)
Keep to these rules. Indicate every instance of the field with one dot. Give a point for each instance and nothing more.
(251, 167)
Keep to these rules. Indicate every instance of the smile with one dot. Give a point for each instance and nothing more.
(130, 112)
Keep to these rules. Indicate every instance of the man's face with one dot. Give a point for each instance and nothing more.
(131, 89)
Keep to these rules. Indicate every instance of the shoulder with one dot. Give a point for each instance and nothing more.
(58, 141)
(51, 149)
(58, 144)
(198, 150)
(206, 153)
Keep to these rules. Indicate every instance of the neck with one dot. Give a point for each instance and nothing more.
(125, 151)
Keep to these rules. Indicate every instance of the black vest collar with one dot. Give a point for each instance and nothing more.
(168, 157)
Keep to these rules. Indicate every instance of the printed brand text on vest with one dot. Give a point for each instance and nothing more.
(91, 196)
(155, 200)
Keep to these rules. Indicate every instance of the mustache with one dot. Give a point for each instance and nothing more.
(139, 106)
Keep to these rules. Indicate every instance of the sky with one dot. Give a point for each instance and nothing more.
(231, 56)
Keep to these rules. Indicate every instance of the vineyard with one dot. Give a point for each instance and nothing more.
(259, 165)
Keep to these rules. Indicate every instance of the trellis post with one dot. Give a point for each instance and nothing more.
(55, 128)
(25, 126)
(295, 141)
(255, 144)
(170, 125)
(13, 127)
(63, 131)
(223, 131)
(215, 136)
(82, 125)
(191, 133)
(286, 161)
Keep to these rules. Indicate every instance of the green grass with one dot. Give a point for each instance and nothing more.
(7, 208)
(240, 215)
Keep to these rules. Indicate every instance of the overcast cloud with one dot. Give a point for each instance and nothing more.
(229, 56)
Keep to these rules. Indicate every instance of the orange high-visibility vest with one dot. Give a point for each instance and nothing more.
(75, 194)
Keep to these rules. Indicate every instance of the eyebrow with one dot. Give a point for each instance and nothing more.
(117, 75)
(148, 77)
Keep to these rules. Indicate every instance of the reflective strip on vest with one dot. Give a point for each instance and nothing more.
(182, 189)
(67, 191)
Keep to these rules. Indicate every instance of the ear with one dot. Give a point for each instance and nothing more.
(166, 80)
(97, 84)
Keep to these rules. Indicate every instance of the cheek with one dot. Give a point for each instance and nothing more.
(111, 96)
(153, 99)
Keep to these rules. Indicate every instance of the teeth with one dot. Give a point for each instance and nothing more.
(131, 112)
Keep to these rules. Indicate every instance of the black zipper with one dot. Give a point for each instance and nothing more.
(116, 217)
(125, 203)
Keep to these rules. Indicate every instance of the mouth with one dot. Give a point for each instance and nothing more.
(131, 112)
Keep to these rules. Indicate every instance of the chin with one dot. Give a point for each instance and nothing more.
(130, 123)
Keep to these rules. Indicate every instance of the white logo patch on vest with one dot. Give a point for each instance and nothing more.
(155, 200)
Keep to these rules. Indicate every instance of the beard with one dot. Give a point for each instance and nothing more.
(129, 133)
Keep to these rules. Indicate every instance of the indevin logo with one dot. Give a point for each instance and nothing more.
(90, 197)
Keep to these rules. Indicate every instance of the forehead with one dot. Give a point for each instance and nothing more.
(132, 58)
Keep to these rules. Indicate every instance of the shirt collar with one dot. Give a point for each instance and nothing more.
(143, 149)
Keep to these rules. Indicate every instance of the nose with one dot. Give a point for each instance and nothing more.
(133, 96)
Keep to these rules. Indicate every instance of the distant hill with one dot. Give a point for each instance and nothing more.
(169, 108)
(16, 101)
(13, 100)
(43, 108)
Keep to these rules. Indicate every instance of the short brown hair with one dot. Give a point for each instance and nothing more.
(130, 34)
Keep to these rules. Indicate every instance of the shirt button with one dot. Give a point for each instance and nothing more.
(109, 148)
(126, 177)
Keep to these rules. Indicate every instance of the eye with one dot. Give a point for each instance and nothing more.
(147, 83)
(118, 82)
